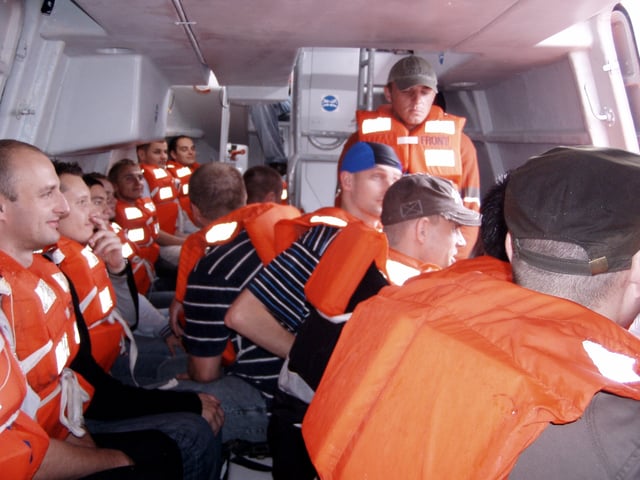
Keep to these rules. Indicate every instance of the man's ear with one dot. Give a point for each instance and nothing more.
(421, 227)
(508, 246)
(634, 274)
(387, 93)
(346, 181)
(198, 219)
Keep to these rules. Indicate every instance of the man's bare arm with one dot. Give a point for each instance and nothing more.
(251, 319)
(67, 460)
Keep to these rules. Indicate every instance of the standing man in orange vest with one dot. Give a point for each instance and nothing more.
(457, 372)
(425, 137)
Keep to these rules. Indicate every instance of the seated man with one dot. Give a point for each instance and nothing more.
(421, 215)
(160, 186)
(268, 314)
(145, 320)
(263, 184)
(51, 340)
(464, 360)
(181, 164)
(23, 443)
(138, 218)
(49, 343)
(90, 255)
(239, 239)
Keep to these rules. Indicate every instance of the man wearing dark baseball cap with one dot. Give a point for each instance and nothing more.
(485, 373)
(431, 209)
(421, 215)
(425, 138)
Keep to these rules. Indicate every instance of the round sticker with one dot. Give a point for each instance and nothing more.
(329, 103)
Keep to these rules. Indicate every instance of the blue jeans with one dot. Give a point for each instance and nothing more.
(246, 413)
(153, 353)
(200, 448)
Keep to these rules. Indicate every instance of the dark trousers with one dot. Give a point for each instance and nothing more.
(156, 456)
(290, 458)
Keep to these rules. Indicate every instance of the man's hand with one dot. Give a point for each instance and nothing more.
(176, 311)
(107, 246)
(212, 411)
(173, 343)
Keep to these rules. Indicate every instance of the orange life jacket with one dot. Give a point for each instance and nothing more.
(24, 442)
(164, 195)
(289, 230)
(431, 147)
(258, 219)
(144, 271)
(96, 298)
(455, 373)
(40, 315)
(400, 267)
(182, 174)
(342, 267)
(140, 224)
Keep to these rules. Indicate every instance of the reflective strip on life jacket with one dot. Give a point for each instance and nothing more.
(440, 126)
(136, 235)
(380, 124)
(159, 173)
(221, 232)
(132, 213)
(410, 140)
(440, 158)
(165, 193)
(183, 172)
(399, 272)
(327, 220)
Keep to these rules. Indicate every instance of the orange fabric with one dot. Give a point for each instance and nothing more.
(261, 229)
(164, 195)
(23, 443)
(400, 267)
(342, 267)
(40, 311)
(140, 217)
(453, 375)
(143, 270)
(258, 219)
(182, 174)
(96, 297)
(415, 157)
(289, 230)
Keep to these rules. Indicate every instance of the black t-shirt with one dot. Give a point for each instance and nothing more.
(317, 338)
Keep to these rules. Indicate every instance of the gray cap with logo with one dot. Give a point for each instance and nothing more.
(422, 195)
(413, 70)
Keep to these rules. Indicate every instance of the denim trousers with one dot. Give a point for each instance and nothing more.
(246, 413)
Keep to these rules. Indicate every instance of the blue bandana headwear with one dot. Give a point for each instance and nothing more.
(365, 155)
